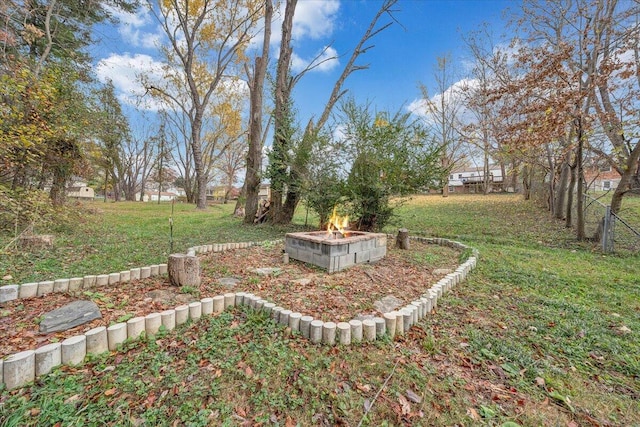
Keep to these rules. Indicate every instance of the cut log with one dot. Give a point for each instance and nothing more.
(184, 270)
(402, 241)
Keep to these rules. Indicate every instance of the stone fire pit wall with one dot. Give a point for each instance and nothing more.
(335, 254)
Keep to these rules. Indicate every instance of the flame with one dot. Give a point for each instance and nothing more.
(338, 223)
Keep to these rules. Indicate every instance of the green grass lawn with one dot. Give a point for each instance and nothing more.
(112, 237)
(544, 332)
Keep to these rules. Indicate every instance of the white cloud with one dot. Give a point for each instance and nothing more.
(125, 71)
(132, 27)
(315, 18)
(454, 96)
(325, 61)
(138, 38)
(138, 19)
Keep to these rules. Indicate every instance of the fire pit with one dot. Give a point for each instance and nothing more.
(336, 250)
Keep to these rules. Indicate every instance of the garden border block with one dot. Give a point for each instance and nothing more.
(21, 368)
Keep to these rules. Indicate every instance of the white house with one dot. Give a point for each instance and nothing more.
(471, 180)
(152, 196)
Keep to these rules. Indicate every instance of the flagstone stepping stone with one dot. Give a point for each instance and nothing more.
(69, 316)
(229, 282)
(387, 304)
(266, 271)
(304, 281)
(165, 297)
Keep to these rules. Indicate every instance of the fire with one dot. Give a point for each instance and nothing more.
(337, 223)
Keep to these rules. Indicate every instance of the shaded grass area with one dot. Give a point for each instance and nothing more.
(111, 237)
(544, 332)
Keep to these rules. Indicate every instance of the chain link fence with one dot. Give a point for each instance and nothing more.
(614, 232)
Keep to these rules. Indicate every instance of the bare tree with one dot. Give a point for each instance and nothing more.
(442, 116)
(230, 164)
(206, 42)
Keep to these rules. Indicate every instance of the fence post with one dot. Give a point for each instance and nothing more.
(607, 232)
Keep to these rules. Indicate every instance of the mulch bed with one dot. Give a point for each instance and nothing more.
(337, 297)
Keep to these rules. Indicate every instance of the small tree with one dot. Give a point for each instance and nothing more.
(393, 156)
(325, 187)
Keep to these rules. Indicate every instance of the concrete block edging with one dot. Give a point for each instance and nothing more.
(19, 369)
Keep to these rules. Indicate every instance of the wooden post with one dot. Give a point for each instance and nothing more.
(184, 270)
(402, 241)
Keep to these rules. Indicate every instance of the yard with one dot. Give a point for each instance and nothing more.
(544, 332)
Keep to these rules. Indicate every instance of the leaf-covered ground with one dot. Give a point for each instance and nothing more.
(338, 297)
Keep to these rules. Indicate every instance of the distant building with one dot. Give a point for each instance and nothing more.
(152, 196)
(218, 193)
(79, 190)
(471, 180)
(601, 177)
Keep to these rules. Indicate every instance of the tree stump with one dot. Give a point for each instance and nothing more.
(184, 270)
(402, 241)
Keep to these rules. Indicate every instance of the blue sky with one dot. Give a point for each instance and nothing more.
(404, 55)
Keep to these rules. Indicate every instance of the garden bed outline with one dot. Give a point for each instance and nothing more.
(22, 368)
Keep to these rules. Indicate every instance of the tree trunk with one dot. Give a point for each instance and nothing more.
(526, 182)
(402, 241)
(184, 270)
(552, 171)
(514, 177)
(201, 175)
(282, 114)
(299, 171)
(486, 170)
(253, 177)
(626, 180)
(561, 190)
(580, 223)
(570, 192)
(445, 187)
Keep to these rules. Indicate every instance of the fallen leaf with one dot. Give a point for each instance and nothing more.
(289, 422)
(363, 387)
(367, 405)
(72, 399)
(540, 381)
(34, 412)
(412, 396)
(148, 403)
(110, 392)
(473, 414)
(404, 403)
(248, 371)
